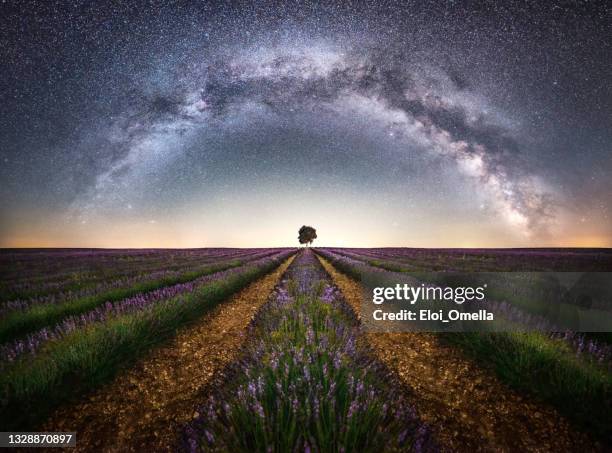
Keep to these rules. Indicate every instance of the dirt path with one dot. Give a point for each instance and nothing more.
(468, 408)
(144, 407)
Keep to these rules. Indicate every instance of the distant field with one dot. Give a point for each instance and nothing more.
(485, 260)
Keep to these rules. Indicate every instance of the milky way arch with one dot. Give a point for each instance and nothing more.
(417, 104)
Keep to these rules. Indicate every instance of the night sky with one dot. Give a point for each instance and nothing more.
(434, 124)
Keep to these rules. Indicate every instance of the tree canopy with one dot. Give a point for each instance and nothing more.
(307, 234)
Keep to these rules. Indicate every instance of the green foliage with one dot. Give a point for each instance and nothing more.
(545, 368)
(307, 234)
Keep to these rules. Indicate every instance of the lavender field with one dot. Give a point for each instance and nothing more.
(306, 226)
(264, 350)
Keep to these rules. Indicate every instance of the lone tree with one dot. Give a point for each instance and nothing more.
(307, 234)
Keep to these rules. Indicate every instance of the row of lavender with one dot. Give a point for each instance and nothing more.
(583, 345)
(29, 263)
(488, 260)
(58, 363)
(304, 383)
(32, 343)
(55, 272)
(567, 370)
(20, 318)
(56, 264)
(137, 273)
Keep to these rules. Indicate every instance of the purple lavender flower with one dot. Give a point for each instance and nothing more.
(309, 356)
(139, 303)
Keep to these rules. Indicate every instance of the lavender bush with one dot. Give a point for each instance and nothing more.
(356, 264)
(303, 384)
(57, 292)
(11, 351)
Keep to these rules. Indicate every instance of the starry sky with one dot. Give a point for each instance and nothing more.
(426, 124)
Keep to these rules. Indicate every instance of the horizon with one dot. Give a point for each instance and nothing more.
(311, 246)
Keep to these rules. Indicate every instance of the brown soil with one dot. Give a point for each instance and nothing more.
(143, 408)
(468, 408)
